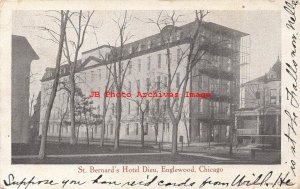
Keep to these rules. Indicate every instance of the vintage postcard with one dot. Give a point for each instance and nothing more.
(153, 94)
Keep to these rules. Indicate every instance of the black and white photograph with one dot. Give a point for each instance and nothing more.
(146, 87)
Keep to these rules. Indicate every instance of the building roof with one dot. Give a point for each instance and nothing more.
(275, 68)
(184, 29)
(21, 45)
(209, 25)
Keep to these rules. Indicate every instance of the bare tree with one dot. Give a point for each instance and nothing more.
(185, 120)
(63, 23)
(119, 70)
(71, 54)
(108, 86)
(194, 55)
(62, 110)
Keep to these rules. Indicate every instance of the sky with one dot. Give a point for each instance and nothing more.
(262, 26)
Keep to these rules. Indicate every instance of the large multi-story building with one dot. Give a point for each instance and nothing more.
(217, 72)
(258, 118)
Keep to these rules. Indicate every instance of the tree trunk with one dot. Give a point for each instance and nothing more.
(77, 136)
(104, 118)
(186, 130)
(142, 130)
(59, 133)
(72, 107)
(156, 132)
(118, 124)
(102, 133)
(174, 137)
(42, 151)
(87, 135)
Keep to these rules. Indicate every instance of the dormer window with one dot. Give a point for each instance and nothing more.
(171, 39)
(178, 36)
(106, 56)
(149, 45)
(130, 50)
(158, 42)
(140, 47)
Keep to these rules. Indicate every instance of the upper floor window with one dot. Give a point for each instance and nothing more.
(129, 86)
(148, 84)
(129, 68)
(158, 82)
(146, 129)
(138, 84)
(136, 129)
(149, 63)
(140, 47)
(99, 74)
(159, 60)
(129, 108)
(92, 76)
(130, 50)
(139, 65)
(273, 96)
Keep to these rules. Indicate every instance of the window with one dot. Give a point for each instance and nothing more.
(107, 72)
(216, 107)
(157, 105)
(139, 65)
(146, 129)
(177, 80)
(129, 68)
(107, 130)
(166, 81)
(99, 74)
(200, 128)
(148, 84)
(201, 105)
(149, 44)
(159, 61)
(130, 50)
(129, 86)
(136, 129)
(127, 129)
(273, 96)
(257, 95)
(138, 84)
(149, 63)
(137, 109)
(168, 127)
(111, 129)
(128, 107)
(92, 76)
(158, 82)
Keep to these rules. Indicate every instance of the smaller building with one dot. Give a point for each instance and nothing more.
(258, 118)
(22, 56)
